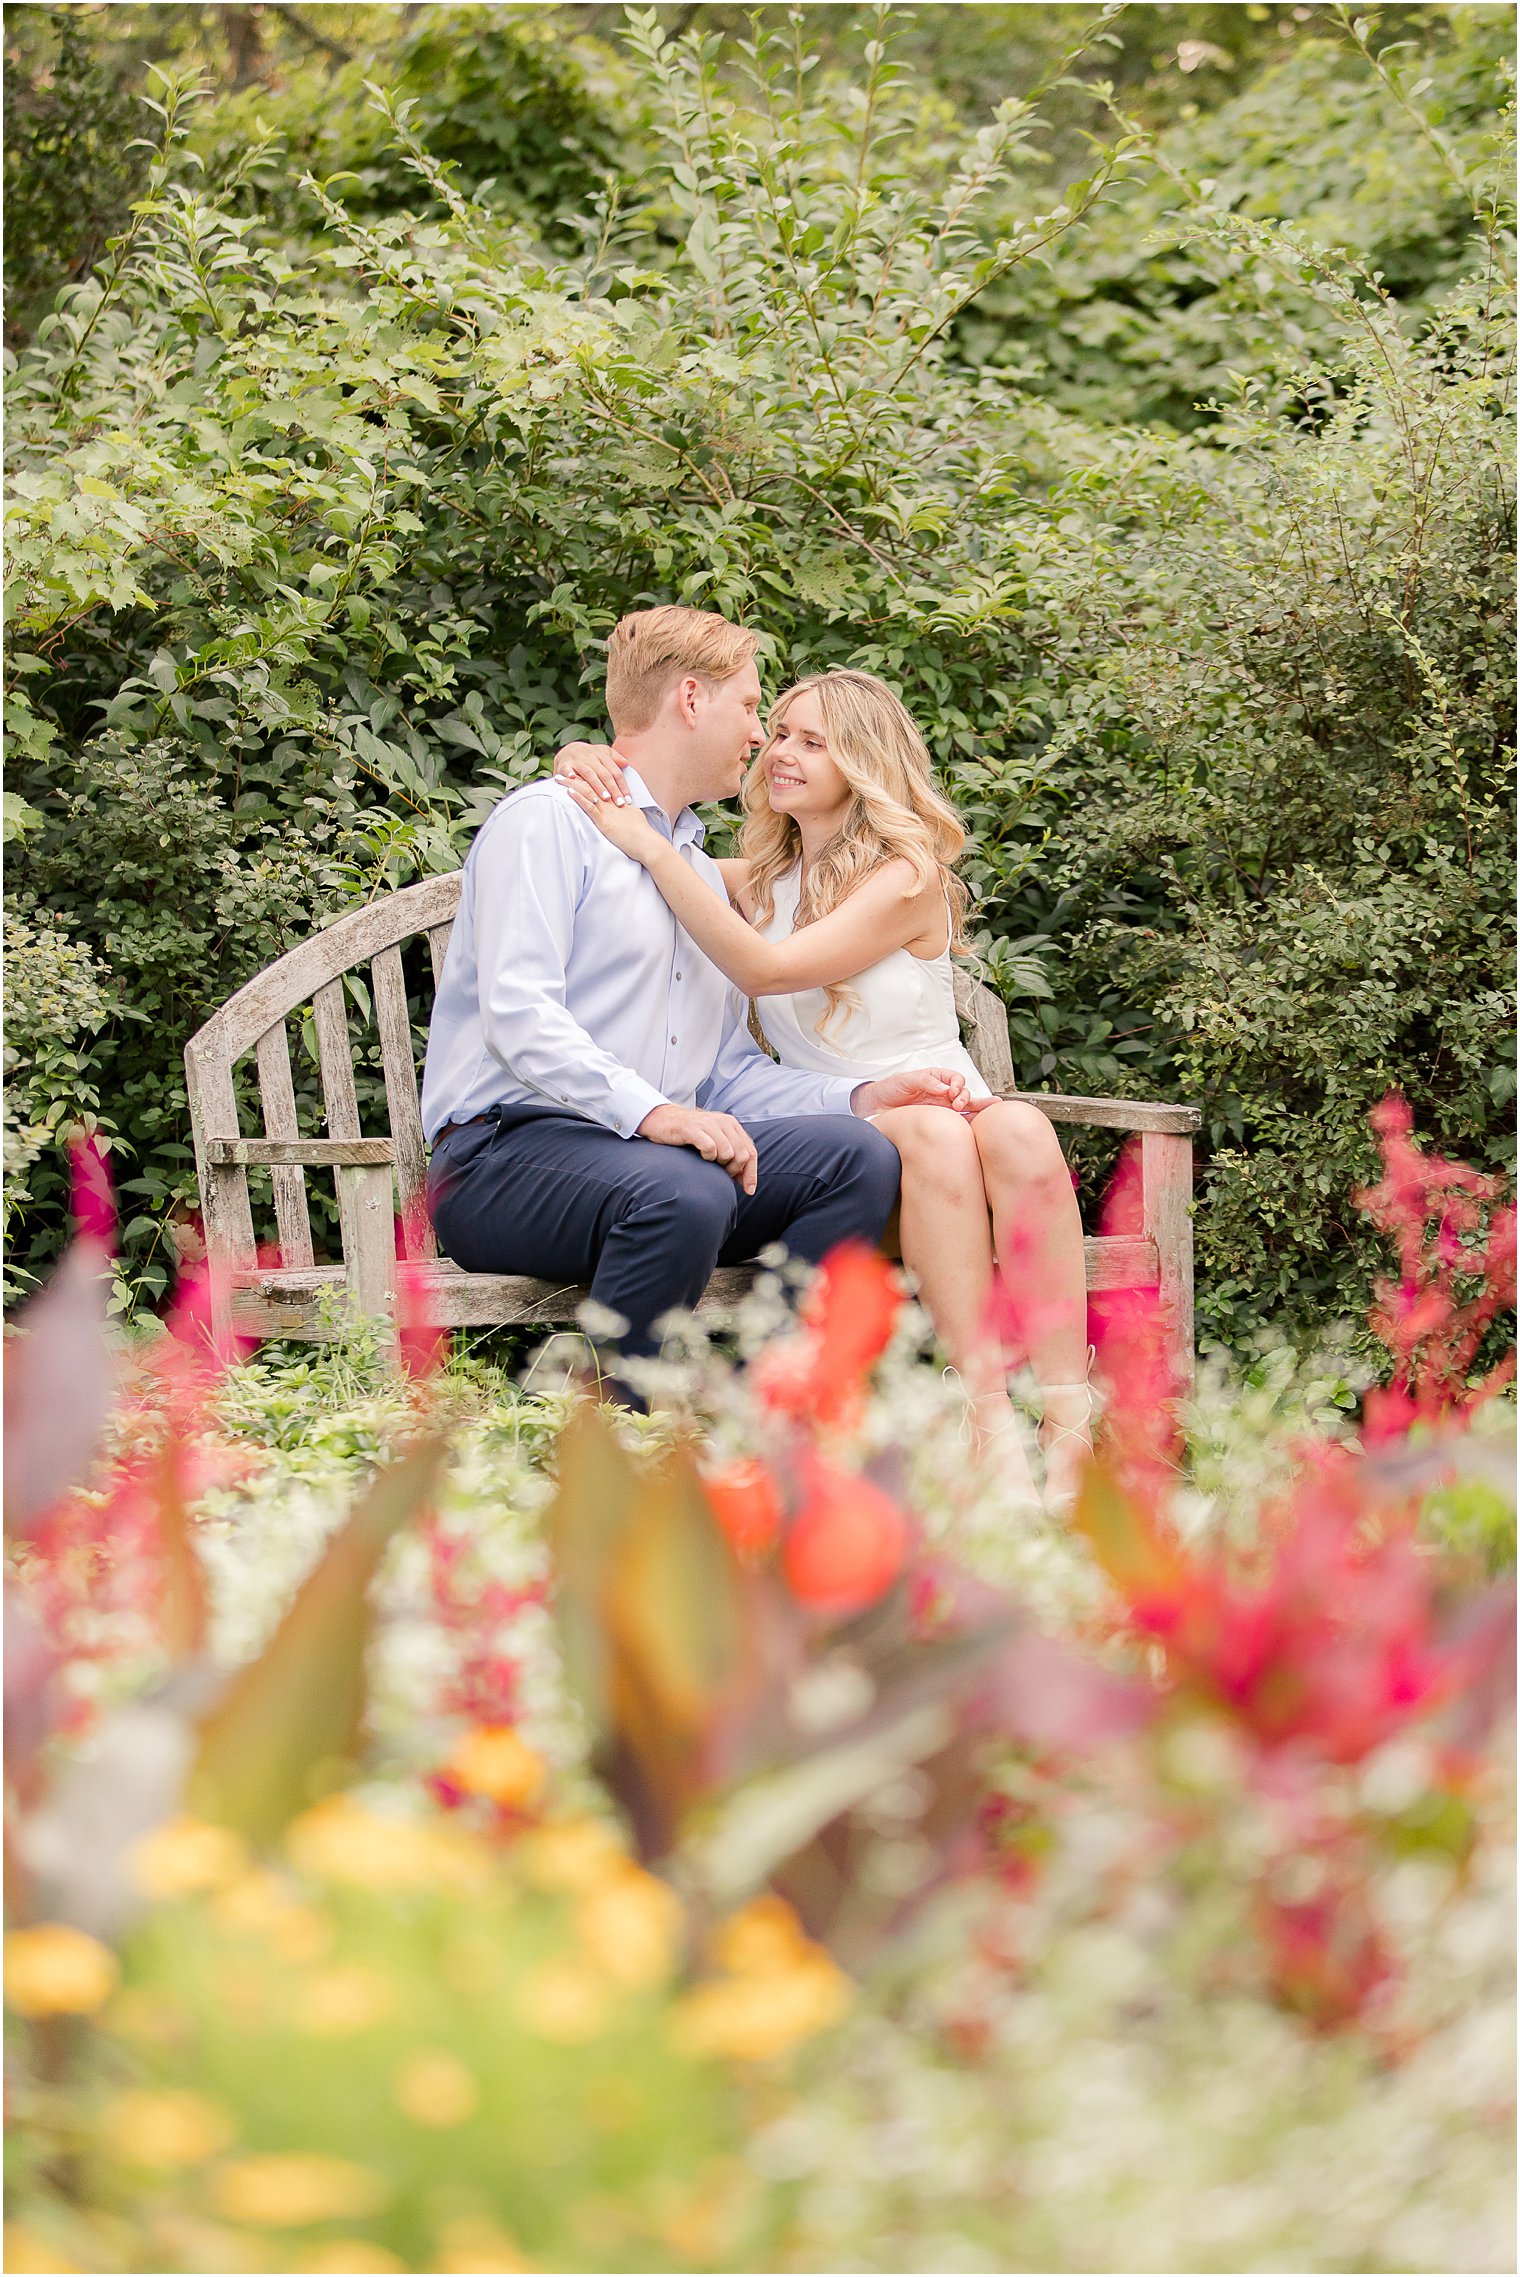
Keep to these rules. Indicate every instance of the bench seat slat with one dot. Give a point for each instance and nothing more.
(279, 1302)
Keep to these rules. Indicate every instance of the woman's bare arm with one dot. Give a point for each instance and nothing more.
(887, 912)
(735, 876)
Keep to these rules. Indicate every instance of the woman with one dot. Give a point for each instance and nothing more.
(850, 910)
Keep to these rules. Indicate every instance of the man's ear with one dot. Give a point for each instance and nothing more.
(688, 699)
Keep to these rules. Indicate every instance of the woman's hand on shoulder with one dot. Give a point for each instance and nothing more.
(596, 767)
(625, 825)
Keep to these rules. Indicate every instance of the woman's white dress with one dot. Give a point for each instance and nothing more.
(903, 1015)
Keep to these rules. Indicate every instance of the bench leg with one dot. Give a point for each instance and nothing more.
(1166, 1190)
(369, 1260)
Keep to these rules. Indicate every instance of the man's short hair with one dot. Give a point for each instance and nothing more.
(653, 648)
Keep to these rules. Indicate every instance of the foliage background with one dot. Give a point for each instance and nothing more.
(1153, 440)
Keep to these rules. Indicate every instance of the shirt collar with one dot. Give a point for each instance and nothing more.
(690, 829)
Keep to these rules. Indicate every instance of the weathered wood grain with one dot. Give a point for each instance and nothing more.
(1110, 1114)
(398, 1062)
(1166, 1204)
(312, 1154)
(278, 1098)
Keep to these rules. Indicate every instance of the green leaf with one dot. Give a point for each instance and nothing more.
(286, 1730)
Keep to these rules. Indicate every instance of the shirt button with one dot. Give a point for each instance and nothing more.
(678, 976)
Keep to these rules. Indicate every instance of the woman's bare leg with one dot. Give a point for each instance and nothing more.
(1037, 1230)
(947, 1246)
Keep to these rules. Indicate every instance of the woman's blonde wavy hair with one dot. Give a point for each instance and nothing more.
(895, 811)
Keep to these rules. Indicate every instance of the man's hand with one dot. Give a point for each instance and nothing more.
(919, 1087)
(717, 1138)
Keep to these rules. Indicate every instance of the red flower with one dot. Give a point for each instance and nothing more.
(746, 1502)
(1446, 1225)
(1325, 1954)
(846, 1545)
(848, 1318)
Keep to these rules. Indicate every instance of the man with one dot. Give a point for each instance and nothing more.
(597, 1107)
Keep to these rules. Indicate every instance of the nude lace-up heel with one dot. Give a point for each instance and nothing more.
(1067, 1440)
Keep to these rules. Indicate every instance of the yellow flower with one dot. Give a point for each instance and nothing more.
(762, 1937)
(563, 2001)
(573, 1854)
(166, 2127)
(53, 1970)
(188, 1855)
(27, 2250)
(288, 2189)
(346, 2253)
(149, 2016)
(631, 1924)
(756, 2017)
(435, 2089)
(339, 1841)
(473, 2243)
(492, 1761)
(259, 1905)
(343, 2000)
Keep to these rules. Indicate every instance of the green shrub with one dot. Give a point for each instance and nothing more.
(328, 528)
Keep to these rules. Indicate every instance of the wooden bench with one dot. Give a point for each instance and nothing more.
(380, 1178)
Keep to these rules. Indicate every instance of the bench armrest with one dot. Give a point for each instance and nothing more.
(302, 1154)
(1111, 1114)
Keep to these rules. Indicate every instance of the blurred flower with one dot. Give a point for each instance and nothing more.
(848, 1316)
(494, 1762)
(1326, 1955)
(288, 2189)
(188, 1855)
(846, 1545)
(778, 1990)
(1433, 1211)
(345, 2000)
(261, 1906)
(53, 1970)
(339, 1841)
(761, 1938)
(166, 2127)
(340, 2254)
(435, 2089)
(473, 2243)
(746, 1502)
(422, 1346)
(631, 1924)
(564, 2001)
(754, 2018)
(27, 2249)
(571, 1854)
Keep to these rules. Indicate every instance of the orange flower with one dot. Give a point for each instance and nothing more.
(848, 1319)
(54, 1970)
(492, 1761)
(846, 1545)
(746, 1502)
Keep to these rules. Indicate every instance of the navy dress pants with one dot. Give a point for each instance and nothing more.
(534, 1190)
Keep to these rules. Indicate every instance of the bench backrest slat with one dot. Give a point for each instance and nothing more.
(438, 947)
(277, 1093)
(398, 1060)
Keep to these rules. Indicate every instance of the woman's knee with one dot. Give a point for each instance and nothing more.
(938, 1152)
(1017, 1143)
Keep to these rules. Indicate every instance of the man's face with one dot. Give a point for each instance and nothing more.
(726, 733)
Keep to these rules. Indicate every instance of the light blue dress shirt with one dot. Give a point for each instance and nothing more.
(568, 983)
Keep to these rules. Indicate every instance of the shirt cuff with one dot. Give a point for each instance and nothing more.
(629, 1100)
